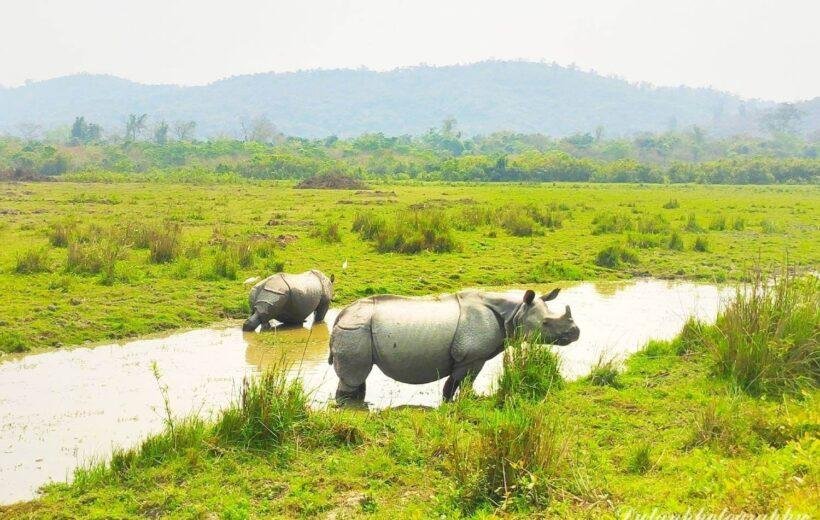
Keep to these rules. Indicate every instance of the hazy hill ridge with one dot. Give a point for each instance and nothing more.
(484, 97)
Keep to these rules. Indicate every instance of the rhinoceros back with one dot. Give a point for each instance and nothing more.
(305, 294)
(412, 337)
(301, 293)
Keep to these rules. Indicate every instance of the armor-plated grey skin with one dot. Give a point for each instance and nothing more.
(420, 340)
(289, 298)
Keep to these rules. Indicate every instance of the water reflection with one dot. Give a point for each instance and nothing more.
(60, 409)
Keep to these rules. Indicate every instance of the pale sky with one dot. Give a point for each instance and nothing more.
(755, 48)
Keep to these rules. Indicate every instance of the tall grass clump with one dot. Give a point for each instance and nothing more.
(767, 338)
(675, 242)
(268, 411)
(692, 224)
(739, 224)
(518, 223)
(530, 371)
(164, 242)
(615, 256)
(224, 264)
(550, 219)
(61, 232)
(605, 373)
(718, 223)
(518, 458)
(671, 204)
(32, 261)
(605, 223)
(653, 225)
(368, 225)
(701, 244)
(328, 232)
(98, 254)
(12, 342)
(416, 231)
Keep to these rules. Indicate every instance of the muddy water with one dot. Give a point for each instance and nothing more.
(62, 409)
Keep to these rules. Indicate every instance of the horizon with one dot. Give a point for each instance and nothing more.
(755, 50)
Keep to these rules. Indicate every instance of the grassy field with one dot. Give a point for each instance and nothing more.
(674, 431)
(89, 262)
(723, 418)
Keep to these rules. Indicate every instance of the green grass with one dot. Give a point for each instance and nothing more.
(767, 340)
(672, 437)
(120, 291)
(616, 256)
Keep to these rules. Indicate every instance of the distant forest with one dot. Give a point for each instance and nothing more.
(486, 97)
(171, 152)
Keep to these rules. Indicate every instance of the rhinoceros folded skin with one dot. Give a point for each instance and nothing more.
(289, 298)
(420, 340)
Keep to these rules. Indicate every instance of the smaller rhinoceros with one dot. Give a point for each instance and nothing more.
(421, 340)
(289, 298)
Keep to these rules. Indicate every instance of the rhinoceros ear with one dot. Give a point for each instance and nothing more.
(552, 295)
(529, 296)
(332, 277)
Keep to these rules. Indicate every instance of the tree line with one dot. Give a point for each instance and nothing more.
(442, 153)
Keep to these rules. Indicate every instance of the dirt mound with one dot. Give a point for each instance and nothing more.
(22, 175)
(332, 182)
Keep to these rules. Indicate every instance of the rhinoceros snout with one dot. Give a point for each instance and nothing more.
(570, 336)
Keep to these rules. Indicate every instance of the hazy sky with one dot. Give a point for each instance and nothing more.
(766, 49)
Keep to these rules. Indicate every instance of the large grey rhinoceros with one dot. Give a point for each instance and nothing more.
(420, 340)
(289, 298)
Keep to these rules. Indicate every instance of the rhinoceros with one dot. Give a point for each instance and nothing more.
(289, 298)
(421, 340)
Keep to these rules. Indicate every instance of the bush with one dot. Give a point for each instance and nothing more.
(530, 371)
(767, 338)
(701, 244)
(671, 204)
(611, 223)
(32, 261)
(615, 256)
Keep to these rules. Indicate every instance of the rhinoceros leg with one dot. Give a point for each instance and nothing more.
(459, 374)
(352, 355)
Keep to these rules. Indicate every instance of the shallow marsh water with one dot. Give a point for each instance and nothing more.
(62, 409)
